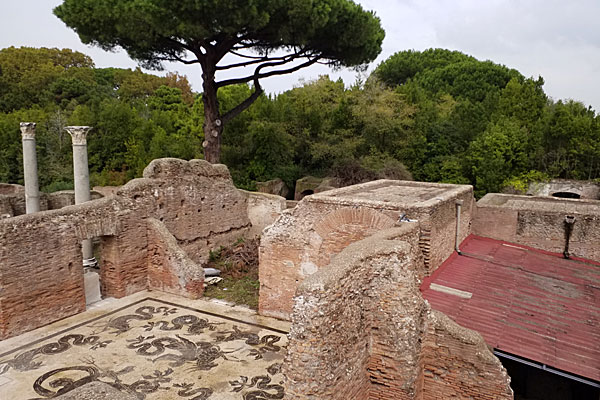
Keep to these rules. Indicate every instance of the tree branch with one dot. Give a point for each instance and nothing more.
(256, 60)
(178, 59)
(235, 53)
(258, 90)
(257, 75)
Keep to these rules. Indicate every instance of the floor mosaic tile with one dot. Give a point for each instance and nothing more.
(153, 349)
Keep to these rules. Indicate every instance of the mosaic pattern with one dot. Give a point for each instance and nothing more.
(153, 350)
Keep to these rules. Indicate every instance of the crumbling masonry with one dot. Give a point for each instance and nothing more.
(345, 266)
(155, 233)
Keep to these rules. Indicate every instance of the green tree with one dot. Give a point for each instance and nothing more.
(496, 155)
(285, 36)
(26, 73)
(404, 65)
(571, 142)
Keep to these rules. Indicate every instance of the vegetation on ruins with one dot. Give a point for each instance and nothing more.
(272, 37)
(441, 115)
(238, 264)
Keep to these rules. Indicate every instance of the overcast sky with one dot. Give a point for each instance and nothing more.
(557, 39)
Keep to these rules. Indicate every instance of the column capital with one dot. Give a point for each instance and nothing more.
(78, 134)
(28, 130)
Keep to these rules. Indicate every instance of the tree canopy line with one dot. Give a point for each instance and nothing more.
(438, 115)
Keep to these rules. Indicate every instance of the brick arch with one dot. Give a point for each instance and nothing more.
(345, 226)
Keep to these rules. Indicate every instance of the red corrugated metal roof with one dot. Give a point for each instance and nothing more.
(526, 302)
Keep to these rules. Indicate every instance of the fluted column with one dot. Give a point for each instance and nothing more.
(82, 179)
(30, 172)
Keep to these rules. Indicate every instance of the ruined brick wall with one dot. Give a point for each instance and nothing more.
(41, 273)
(195, 201)
(170, 269)
(198, 204)
(438, 231)
(292, 249)
(540, 223)
(361, 330)
(35, 289)
(457, 363)
(339, 342)
(263, 210)
(306, 238)
(12, 199)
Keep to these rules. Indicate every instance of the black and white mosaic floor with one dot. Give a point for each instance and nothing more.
(152, 349)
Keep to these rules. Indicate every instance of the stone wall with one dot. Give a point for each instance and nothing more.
(584, 189)
(306, 238)
(457, 363)
(539, 222)
(170, 269)
(12, 200)
(41, 272)
(263, 210)
(361, 330)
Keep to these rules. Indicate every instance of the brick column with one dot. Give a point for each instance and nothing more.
(82, 180)
(30, 173)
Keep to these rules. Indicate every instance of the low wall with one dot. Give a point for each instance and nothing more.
(41, 272)
(12, 202)
(539, 222)
(361, 330)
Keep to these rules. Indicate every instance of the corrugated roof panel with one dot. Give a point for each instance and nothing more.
(527, 302)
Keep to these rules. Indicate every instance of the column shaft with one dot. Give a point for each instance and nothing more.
(81, 174)
(82, 179)
(30, 169)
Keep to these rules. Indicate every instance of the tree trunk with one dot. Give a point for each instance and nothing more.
(213, 123)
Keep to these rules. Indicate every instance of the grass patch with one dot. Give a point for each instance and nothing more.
(238, 291)
(239, 270)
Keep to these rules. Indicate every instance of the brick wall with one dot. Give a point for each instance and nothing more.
(458, 364)
(539, 222)
(306, 238)
(361, 330)
(170, 269)
(41, 273)
(41, 276)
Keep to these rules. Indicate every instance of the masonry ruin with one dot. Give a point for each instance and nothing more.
(344, 266)
(308, 237)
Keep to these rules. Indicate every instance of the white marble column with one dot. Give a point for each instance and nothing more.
(30, 172)
(82, 180)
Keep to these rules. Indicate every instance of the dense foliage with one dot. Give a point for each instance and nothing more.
(447, 118)
(271, 37)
